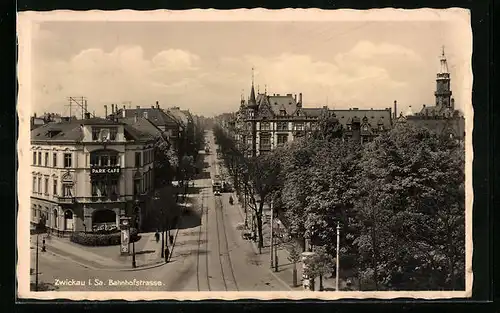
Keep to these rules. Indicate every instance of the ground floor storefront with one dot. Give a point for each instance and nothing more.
(64, 219)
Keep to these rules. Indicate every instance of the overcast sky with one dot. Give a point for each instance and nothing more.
(205, 66)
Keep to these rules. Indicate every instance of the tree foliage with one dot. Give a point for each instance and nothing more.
(400, 200)
(166, 162)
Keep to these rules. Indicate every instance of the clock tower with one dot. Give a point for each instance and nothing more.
(443, 91)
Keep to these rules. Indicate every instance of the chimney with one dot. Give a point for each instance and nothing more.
(157, 105)
(105, 111)
(452, 103)
(112, 108)
(34, 115)
(87, 115)
(138, 107)
(152, 107)
(135, 117)
(300, 98)
(295, 98)
(395, 109)
(124, 113)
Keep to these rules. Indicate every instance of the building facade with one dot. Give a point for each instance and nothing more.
(266, 122)
(87, 173)
(442, 117)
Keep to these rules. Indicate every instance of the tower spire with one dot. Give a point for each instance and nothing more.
(443, 90)
(252, 77)
(252, 103)
(444, 62)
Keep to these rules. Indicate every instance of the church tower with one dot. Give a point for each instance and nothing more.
(443, 92)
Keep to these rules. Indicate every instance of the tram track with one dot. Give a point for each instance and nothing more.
(227, 276)
(203, 214)
(228, 253)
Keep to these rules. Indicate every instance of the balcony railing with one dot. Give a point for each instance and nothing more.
(101, 199)
(66, 199)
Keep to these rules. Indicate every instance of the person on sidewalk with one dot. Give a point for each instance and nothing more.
(157, 237)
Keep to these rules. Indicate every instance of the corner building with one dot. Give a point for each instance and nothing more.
(87, 173)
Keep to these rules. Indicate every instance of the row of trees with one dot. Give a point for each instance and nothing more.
(400, 201)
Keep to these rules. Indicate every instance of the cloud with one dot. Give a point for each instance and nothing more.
(368, 75)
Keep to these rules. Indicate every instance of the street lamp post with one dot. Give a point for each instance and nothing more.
(36, 265)
(156, 198)
(338, 261)
(272, 236)
(245, 207)
(275, 255)
(134, 265)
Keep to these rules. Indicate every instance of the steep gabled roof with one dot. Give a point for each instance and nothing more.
(156, 115)
(279, 102)
(355, 116)
(144, 126)
(68, 130)
(179, 115)
(65, 131)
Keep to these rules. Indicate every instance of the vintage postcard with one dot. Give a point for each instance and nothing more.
(263, 154)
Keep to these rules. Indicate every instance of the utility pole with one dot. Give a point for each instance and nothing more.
(338, 261)
(80, 102)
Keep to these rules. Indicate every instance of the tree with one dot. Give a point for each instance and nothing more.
(263, 172)
(259, 176)
(325, 264)
(329, 128)
(187, 171)
(165, 162)
(294, 256)
(411, 211)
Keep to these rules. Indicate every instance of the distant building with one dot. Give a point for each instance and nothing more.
(37, 121)
(162, 119)
(265, 122)
(442, 117)
(87, 173)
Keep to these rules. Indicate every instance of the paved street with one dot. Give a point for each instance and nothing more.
(209, 254)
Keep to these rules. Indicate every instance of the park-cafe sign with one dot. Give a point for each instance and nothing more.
(105, 170)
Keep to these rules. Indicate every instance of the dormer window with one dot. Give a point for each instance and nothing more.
(381, 127)
(282, 112)
(104, 134)
(349, 127)
(365, 128)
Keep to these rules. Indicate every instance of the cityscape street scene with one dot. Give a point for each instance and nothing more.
(332, 160)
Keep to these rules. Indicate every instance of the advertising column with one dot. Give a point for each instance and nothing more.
(125, 235)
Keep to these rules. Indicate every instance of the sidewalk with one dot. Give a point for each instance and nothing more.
(147, 251)
(105, 258)
(285, 267)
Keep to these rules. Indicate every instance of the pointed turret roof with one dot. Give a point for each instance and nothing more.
(252, 103)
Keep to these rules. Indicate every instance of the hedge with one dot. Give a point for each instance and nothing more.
(96, 239)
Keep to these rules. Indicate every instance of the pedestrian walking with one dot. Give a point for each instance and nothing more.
(157, 237)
